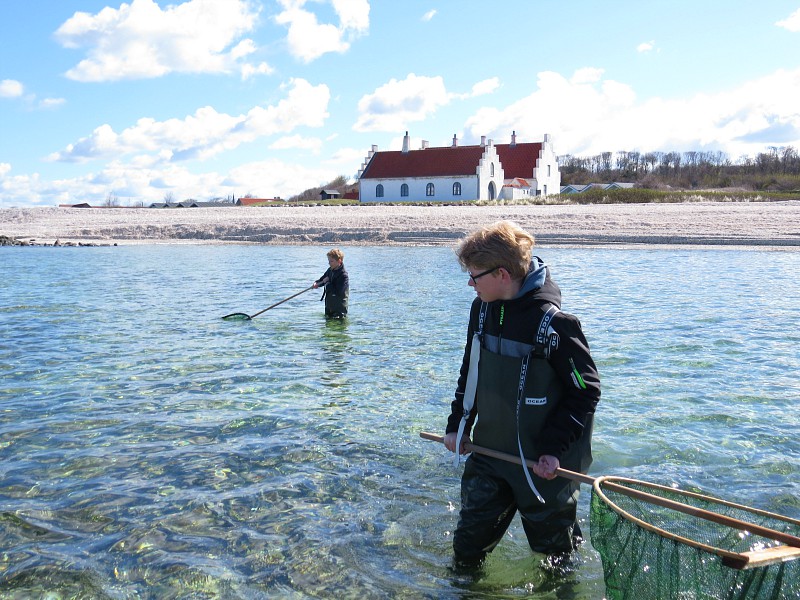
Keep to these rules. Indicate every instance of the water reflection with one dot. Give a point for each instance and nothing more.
(336, 347)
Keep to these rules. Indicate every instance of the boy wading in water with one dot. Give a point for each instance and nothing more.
(337, 286)
(529, 387)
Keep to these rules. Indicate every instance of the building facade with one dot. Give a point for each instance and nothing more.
(460, 173)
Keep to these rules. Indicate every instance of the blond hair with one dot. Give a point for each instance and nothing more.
(335, 254)
(501, 244)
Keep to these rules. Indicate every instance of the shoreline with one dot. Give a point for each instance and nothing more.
(763, 225)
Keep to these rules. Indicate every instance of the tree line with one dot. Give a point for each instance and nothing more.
(777, 169)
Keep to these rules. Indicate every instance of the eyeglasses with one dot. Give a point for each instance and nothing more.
(475, 278)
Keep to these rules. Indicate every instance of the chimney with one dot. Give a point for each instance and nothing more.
(513, 138)
(483, 140)
(455, 141)
(491, 142)
(406, 143)
(424, 145)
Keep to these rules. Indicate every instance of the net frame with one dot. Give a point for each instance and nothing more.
(788, 550)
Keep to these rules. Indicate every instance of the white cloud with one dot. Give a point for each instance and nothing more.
(249, 71)
(10, 88)
(134, 183)
(792, 22)
(51, 102)
(308, 39)
(297, 141)
(482, 88)
(588, 115)
(22, 190)
(140, 40)
(270, 178)
(487, 86)
(353, 14)
(4, 168)
(646, 46)
(348, 159)
(396, 103)
(584, 75)
(206, 132)
(429, 15)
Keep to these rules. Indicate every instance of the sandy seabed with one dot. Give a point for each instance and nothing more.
(762, 224)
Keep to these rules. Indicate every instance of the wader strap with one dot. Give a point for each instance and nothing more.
(471, 386)
(523, 374)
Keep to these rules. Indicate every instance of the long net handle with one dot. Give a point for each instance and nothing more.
(786, 538)
(282, 301)
(470, 447)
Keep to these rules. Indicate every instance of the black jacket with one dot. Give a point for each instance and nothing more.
(570, 359)
(337, 291)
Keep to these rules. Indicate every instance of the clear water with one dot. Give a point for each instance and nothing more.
(149, 449)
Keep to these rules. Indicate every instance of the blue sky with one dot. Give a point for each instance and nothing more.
(211, 98)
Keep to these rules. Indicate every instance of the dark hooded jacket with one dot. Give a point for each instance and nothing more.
(337, 291)
(514, 335)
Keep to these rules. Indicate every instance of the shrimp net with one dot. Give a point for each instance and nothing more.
(651, 551)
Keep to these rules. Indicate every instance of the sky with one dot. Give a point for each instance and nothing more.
(147, 100)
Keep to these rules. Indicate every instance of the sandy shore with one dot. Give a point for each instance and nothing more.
(762, 224)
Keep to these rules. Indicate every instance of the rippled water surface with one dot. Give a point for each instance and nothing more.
(149, 449)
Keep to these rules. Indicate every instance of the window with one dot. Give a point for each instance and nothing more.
(456, 189)
(379, 191)
(404, 190)
(430, 190)
(548, 170)
(491, 170)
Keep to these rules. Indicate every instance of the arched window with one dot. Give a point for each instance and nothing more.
(404, 190)
(491, 170)
(430, 190)
(379, 191)
(456, 189)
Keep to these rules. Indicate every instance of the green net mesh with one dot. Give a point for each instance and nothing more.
(237, 317)
(641, 564)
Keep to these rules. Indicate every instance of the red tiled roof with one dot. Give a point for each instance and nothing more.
(252, 201)
(431, 162)
(518, 182)
(517, 161)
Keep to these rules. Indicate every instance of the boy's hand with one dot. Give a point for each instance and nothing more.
(546, 467)
(450, 442)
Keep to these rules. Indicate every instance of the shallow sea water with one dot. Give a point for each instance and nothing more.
(149, 449)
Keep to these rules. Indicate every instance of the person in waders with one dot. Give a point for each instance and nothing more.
(528, 386)
(337, 286)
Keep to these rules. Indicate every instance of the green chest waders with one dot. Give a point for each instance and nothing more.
(515, 396)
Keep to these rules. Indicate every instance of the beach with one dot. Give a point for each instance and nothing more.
(761, 224)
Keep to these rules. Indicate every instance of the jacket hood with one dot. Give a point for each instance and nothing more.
(538, 285)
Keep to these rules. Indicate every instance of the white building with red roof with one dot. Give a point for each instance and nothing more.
(456, 173)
